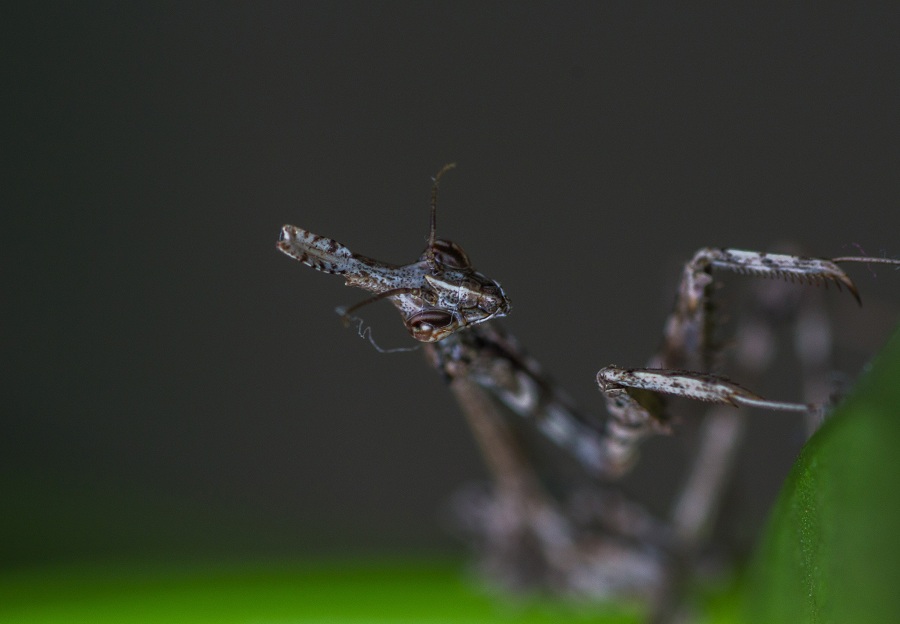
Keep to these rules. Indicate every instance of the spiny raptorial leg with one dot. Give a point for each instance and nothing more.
(688, 342)
(636, 396)
(680, 368)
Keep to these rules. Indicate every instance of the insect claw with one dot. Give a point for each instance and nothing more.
(851, 287)
(865, 260)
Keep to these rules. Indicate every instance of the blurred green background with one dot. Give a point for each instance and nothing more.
(175, 389)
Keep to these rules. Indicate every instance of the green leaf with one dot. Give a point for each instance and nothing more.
(831, 552)
(333, 592)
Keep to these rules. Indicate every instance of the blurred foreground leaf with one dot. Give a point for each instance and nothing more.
(831, 552)
(330, 592)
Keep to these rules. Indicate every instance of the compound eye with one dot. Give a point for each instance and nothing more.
(452, 255)
(449, 255)
(423, 324)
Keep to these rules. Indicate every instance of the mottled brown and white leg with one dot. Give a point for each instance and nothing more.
(528, 538)
(688, 343)
(754, 347)
(681, 367)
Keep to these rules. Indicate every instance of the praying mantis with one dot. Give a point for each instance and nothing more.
(596, 542)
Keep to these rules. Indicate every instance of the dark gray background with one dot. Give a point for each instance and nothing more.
(173, 385)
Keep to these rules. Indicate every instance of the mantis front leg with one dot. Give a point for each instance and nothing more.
(688, 342)
(681, 367)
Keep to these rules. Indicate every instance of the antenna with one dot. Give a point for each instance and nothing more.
(432, 232)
